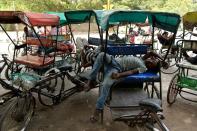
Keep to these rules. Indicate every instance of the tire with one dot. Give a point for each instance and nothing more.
(173, 90)
(53, 82)
(152, 124)
(49, 93)
(74, 61)
(18, 114)
(11, 49)
(8, 70)
(172, 60)
(156, 123)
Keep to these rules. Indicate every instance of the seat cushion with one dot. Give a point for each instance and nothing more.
(35, 41)
(34, 61)
(141, 77)
(65, 47)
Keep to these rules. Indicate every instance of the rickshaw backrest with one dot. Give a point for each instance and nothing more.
(35, 41)
(127, 49)
(97, 41)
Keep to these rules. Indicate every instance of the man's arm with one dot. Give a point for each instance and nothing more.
(123, 74)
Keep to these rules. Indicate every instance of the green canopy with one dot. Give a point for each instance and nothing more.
(163, 20)
(63, 20)
(106, 18)
(79, 16)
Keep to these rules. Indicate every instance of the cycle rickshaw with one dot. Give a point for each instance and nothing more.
(22, 102)
(162, 20)
(20, 98)
(135, 99)
(184, 82)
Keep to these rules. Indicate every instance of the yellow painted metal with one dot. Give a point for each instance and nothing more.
(190, 20)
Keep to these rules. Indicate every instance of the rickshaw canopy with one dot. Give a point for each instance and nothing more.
(9, 17)
(39, 19)
(79, 16)
(28, 18)
(163, 20)
(62, 17)
(190, 20)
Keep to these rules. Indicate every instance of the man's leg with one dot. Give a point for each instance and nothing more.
(99, 62)
(105, 88)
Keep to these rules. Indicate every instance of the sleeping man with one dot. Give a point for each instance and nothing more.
(115, 69)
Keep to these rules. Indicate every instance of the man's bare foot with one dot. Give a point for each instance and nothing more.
(95, 117)
(90, 84)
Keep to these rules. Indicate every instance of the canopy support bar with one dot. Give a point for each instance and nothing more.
(8, 35)
(69, 26)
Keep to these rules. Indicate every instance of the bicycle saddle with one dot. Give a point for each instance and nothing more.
(151, 104)
(65, 67)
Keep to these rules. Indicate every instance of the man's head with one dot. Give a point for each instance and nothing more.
(130, 30)
(152, 63)
(165, 33)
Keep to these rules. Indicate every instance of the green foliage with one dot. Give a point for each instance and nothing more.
(176, 6)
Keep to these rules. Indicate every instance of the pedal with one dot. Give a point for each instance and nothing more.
(161, 116)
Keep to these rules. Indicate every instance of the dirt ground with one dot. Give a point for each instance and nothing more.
(73, 114)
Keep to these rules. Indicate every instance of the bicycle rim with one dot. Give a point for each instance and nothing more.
(18, 115)
(172, 60)
(172, 90)
(8, 70)
(158, 124)
(49, 96)
(53, 82)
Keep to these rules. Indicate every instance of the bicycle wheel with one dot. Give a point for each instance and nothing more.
(18, 114)
(156, 123)
(74, 60)
(172, 60)
(16, 69)
(53, 82)
(50, 91)
(153, 123)
(11, 49)
(172, 90)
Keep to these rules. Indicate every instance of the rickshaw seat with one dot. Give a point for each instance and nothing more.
(94, 41)
(64, 47)
(35, 41)
(151, 104)
(34, 61)
(97, 41)
(141, 77)
(149, 76)
(65, 67)
(187, 65)
(148, 42)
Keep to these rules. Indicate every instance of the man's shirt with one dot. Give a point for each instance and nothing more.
(130, 62)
